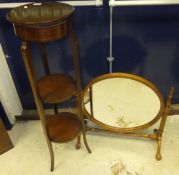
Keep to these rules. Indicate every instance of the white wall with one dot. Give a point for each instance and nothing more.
(8, 93)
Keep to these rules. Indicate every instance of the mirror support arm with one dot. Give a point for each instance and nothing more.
(159, 132)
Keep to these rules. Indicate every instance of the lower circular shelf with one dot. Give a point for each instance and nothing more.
(63, 127)
(56, 88)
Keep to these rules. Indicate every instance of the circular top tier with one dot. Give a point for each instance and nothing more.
(40, 13)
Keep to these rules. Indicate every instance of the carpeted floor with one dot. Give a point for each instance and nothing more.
(111, 155)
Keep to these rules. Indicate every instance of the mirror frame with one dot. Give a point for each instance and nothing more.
(127, 76)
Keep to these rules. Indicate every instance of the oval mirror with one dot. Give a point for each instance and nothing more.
(122, 102)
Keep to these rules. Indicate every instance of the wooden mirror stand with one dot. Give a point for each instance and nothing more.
(126, 104)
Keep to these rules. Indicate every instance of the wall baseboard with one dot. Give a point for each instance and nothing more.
(33, 115)
(175, 109)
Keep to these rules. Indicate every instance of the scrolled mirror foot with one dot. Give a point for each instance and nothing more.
(158, 155)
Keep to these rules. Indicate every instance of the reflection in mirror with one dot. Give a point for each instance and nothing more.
(122, 102)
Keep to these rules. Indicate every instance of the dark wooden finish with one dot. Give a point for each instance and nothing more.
(40, 13)
(56, 88)
(63, 127)
(74, 44)
(45, 22)
(46, 66)
(91, 101)
(44, 58)
(55, 108)
(31, 75)
(46, 34)
(5, 141)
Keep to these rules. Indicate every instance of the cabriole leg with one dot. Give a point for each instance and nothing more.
(78, 143)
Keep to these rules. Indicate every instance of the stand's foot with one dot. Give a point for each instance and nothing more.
(158, 155)
(51, 157)
(52, 166)
(78, 144)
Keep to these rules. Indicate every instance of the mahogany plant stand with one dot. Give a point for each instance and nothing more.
(41, 23)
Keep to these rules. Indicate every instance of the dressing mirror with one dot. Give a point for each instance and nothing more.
(125, 103)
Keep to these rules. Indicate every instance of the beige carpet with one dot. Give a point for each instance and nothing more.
(111, 155)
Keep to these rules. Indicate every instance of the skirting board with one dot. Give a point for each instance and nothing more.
(33, 115)
(175, 109)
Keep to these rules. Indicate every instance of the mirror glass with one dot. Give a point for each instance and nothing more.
(121, 102)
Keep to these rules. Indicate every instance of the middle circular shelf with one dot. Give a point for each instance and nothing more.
(56, 88)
